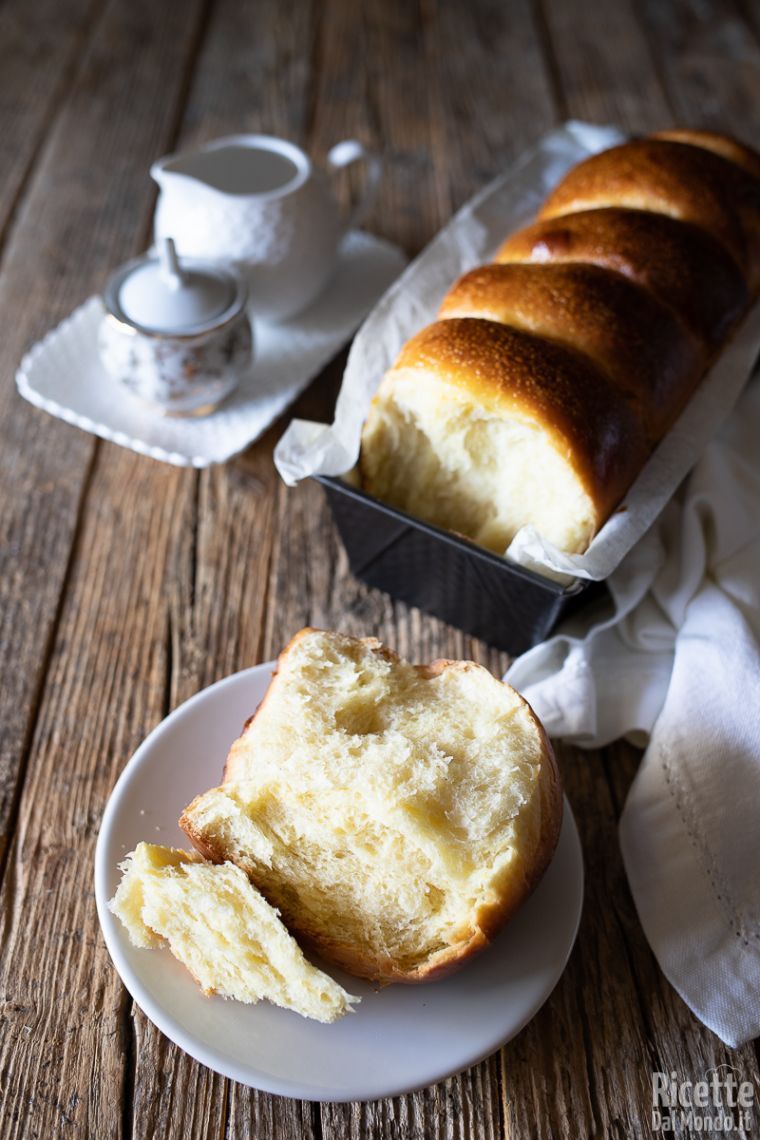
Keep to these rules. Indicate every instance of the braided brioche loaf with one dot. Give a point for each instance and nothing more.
(553, 372)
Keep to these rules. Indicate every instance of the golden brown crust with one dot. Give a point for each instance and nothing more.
(505, 898)
(203, 844)
(638, 343)
(506, 371)
(682, 266)
(724, 145)
(689, 183)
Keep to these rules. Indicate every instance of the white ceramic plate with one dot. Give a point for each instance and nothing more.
(400, 1038)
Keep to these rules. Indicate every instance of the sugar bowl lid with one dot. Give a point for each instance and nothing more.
(160, 294)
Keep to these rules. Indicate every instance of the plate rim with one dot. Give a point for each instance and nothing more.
(209, 1055)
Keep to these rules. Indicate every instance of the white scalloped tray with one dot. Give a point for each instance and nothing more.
(62, 374)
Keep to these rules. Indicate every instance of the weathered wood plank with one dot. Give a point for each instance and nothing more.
(708, 57)
(179, 1089)
(29, 101)
(76, 221)
(62, 1001)
(63, 1053)
(257, 1114)
(494, 95)
(603, 65)
(39, 48)
(368, 103)
(467, 1107)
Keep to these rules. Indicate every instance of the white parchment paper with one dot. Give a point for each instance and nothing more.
(470, 238)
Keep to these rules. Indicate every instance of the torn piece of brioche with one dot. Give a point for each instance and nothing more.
(218, 925)
(396, 815)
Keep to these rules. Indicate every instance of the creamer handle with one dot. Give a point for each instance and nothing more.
(345, 153)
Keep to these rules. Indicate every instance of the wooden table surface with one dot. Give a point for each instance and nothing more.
(127, 585)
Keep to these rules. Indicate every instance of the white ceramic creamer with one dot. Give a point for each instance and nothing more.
(259, 203)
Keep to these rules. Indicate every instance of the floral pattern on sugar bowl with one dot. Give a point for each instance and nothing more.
(177, 375)
(176, 333)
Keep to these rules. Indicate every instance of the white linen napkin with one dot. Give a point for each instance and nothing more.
(678, 665)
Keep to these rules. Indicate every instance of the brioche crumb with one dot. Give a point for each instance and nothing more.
(436, 454)
(394, 814)
(217, 924)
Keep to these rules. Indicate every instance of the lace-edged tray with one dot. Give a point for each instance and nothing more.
(62, 373)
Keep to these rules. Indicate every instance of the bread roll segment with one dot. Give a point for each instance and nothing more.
(396, 815)
(552, 374)
(688, 183)
(640, 344)
(723, 145)
(483, 428)
(681, 265)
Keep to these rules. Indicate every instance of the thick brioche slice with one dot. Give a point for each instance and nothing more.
(481, 428)
(219, 926)
(396, 815)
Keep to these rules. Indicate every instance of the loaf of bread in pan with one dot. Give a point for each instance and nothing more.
(395, 815)
(552, 373)
(222, 930)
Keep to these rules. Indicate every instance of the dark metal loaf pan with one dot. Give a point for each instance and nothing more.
(506, 605)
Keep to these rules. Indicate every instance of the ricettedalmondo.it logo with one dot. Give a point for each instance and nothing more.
(720, 1103)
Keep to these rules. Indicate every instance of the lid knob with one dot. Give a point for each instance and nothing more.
(162, 295)
(171, 270)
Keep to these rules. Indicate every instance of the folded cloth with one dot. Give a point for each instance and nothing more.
(677, 664)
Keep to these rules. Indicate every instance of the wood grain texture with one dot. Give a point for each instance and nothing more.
(708, 57)
(29, 98)
(126, 585)
(84, 600)
(604, 65)
(75, 222)
(39, 50)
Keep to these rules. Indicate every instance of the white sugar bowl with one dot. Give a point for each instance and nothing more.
(176, 334)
